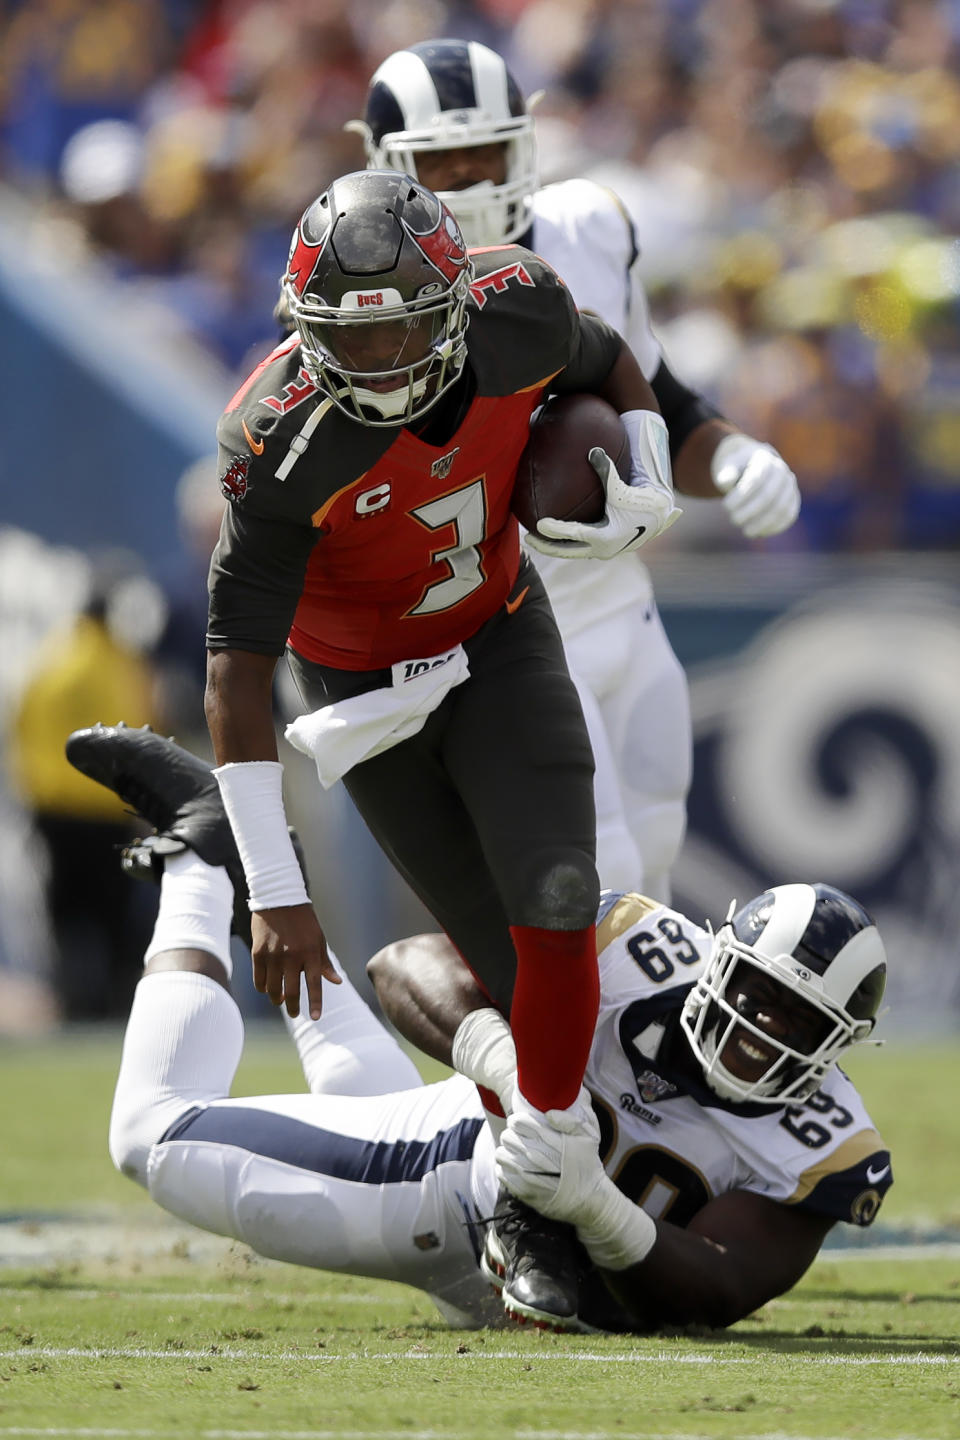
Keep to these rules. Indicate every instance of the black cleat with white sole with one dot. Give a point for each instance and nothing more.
(534, 1265)
(176, 792)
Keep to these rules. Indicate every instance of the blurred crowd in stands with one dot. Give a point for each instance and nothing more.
(792, 166)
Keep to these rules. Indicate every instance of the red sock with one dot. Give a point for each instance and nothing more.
(489, 1101)
(554, 1011)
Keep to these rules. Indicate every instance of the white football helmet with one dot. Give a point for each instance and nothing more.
(817, 943)
(443, 95)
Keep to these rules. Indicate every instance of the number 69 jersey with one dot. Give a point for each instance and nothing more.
(667, 1140)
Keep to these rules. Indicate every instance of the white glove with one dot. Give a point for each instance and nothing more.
(613, 1230)
(550, 1159)
(635, 513)
(761, 492)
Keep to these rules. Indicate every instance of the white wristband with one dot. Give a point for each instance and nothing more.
(649, 446)
(252, 795)
(618, 1233)
(483, 1049)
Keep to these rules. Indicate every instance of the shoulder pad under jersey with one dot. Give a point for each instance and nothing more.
(524, 326)
(285, 447)
(843, 1167)
(590, 217)
(618, 913)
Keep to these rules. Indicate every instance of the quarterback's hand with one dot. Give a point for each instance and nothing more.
(634, 514)
(760, 491)
(550, 1159)
(288, 942)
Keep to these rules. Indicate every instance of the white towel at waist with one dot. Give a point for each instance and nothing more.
(342, 734)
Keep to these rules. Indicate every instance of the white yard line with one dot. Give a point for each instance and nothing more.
(51, 1239)
(114, 1433)
(935, 1250)
(186, 1297)
(564, 1356)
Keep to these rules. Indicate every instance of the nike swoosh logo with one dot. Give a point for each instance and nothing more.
(874, 1177)
(255, 445)
(513, 605)
(641, 530)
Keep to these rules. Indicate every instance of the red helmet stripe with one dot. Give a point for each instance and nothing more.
(444, 247)
(303, 260)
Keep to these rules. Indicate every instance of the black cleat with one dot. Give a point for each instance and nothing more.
(534, 1265)
(176, 792)
(166, 785)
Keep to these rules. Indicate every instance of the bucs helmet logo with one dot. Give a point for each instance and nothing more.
(233, 481)
(302, 262)
(443, 246)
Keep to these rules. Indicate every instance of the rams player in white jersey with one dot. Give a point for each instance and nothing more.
(449, 113)
(727, 1144)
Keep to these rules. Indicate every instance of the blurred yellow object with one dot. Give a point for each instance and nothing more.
(82, 675)
(805, 298)
(882, 310)
(748, 261)
(930, 269)
(862, 162)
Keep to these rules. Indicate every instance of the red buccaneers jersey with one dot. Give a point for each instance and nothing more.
(365, 545)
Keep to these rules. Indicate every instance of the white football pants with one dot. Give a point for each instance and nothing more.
(637, 708)
(390, 1185)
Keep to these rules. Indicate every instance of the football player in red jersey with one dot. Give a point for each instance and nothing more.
(450, 113)
(369, 464)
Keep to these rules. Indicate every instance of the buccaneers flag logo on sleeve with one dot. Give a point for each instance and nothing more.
(233, 481)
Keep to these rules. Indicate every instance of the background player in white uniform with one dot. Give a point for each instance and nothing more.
(721, 1111)
(449, 113)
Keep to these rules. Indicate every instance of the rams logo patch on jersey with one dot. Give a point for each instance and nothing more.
(628, 1103)
(864, 1208)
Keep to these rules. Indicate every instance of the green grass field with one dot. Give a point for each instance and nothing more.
(116, 1321)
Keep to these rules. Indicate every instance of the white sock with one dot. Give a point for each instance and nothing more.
(484, 1050)
(196, 909)
(348, 1051)
(497, 1123)
(181, 1048)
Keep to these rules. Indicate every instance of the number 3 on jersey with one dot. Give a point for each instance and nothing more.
(466, 511)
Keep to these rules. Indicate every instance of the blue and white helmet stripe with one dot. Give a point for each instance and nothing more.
(819, 944)
(814, 928)
(470, 77)
(450, 94)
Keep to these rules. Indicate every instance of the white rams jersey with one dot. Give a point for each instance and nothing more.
(667, 1140)
(399, 1185)
(584, 232)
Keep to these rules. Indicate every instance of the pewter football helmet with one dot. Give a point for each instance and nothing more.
(377, 284)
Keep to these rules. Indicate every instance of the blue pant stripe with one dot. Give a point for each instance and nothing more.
(309, 1147)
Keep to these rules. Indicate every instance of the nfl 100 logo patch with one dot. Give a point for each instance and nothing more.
(441, 468)
(652, 1087)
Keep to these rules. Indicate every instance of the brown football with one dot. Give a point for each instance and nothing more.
(554, 476)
